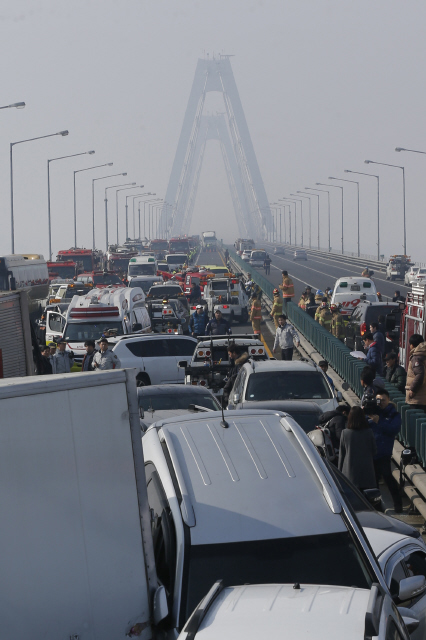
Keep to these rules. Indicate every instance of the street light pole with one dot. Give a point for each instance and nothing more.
(328, 194)
(12, 144)
(138, 195)
(301, 214)
(108, 164)
(134, 186)
(397, 166)
(371, 175)
(318, 223)
(106, 207)
(289, 218)
(139, 211)
(73, 155)
(114, 175)
(141, 186)
(357, 184)
(335, 186)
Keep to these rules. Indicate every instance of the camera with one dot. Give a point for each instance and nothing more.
(371, 408)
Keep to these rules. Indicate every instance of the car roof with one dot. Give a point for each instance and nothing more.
(265, 366)
(250, 612)
(165, 389)
(149, 336)
(288, 406)
(381, 540)
(227, 473)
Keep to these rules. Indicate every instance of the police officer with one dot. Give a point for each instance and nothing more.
(337, 324)
(62, 360)
(105, 359)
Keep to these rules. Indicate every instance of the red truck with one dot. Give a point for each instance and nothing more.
(63, 270)
(86, 259)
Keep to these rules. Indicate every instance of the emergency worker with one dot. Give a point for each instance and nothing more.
(324, 316)
(365, 273)
(337, 323)
(416, 379)
(256, 315)
(318, 296)
(277, 307)
(105, 359)
(287, 287)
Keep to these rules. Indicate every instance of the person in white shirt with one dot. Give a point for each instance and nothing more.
(285, 337)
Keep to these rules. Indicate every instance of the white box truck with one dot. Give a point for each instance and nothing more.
(77, 554)
(16, 339)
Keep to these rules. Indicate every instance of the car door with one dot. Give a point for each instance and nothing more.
(182, 348)
(154, 359)
(55, 324)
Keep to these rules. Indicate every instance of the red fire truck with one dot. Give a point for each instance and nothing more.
(62, 269)
(179, 245)
(86, 259)
(412, 321)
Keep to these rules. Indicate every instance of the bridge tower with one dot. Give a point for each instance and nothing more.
(248, 193)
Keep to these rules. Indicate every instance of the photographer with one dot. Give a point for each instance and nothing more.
(62, 360)
(385, 422)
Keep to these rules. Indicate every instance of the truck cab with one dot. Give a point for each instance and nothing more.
(142, 266)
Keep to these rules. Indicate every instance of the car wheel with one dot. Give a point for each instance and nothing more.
(142, 380)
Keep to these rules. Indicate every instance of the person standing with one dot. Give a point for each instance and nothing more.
(337, 323)
(374, 355)
(394, 373)
(386, 424)
(226, 256)
(398, 297)
(198, 321)
(323, 365)
(63, 360)
(357, 450)
(324, 315)
(287, 287)
(277, 307)
(378, 337)
(218, 326)
(195, 294)
(285, 338)
(105, 359)
(256, 315)
(267, 264)
(46, 362)
(416, 378)
(86, 365)
(336, 421)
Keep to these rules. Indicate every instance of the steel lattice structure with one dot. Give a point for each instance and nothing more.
(248, 193)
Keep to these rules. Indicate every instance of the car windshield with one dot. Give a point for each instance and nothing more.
(107, 278)
(142, 269)
(165, 291)
(81, 331)
(176, 258)
(308, 420)
(145, 285)
(57, 271)
(219, 285)
(287, 385)
(170, 401)
(330, 559)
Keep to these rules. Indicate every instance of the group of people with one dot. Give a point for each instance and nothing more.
(201, 325)
(56, 359)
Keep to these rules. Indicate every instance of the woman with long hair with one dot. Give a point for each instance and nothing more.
(357, 450)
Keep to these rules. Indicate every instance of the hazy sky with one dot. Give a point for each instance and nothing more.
(324, 84)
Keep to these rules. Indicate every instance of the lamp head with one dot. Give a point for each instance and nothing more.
(124, 174)
(331, 178)
(90, 153)
(63, 133)
(368, 162)
(399, 149)
(109, 164)
(347, 171)
(18, 105)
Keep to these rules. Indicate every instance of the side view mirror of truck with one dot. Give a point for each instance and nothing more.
(182, 364)
(12, 281)
(137, 327)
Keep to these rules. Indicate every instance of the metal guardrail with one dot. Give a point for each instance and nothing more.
(413, 430)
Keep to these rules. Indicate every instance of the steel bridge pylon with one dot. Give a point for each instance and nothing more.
(248, 193)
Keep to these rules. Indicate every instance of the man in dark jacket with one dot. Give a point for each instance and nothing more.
(237, 358)
(336, 421)
(386, 424)
(371, 385)
(394, 373)
(374, 355)
(267, 265)
(218, 326)
(46, 368)
(86, 365)
(195, 294)
(198, 321)
(378, 337)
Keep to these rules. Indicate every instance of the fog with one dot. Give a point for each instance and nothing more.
(325, 84)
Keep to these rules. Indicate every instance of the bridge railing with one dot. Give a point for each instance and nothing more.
(337, 354)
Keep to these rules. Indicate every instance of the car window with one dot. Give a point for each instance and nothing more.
(357, 314)
(181, 347)
(170, 401)
(148, 348)
(287, 385)
(398, 574)
(56, 322)
(416, 563)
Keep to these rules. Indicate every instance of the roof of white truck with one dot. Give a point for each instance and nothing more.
(245, 476)
(251, 612)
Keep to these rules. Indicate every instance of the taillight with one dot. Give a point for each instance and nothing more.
(203, 383)
(252, 351)
(225, 306)
(200, 354)
(363, 328)
(208, 352)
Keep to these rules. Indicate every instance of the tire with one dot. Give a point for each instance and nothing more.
(142, 380)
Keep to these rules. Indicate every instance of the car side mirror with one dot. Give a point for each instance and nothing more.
(137, 327)
(373, 496)
(410, 620)
(160, 606)
(236, 398)
(339, 396)
(411, 587)
(182, 364)
(141, 413)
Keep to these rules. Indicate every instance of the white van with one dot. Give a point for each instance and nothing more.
(145, 265)
(349, 292)
(175, 261)
(113, 311)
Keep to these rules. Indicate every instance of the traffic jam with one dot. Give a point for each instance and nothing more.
(241, 467)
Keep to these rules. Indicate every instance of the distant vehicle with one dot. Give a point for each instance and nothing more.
(307, 414)
(217, 270)
(145, 282)
(300, 254)
(18, 273)
(175, 261)
(65, 292)
(156, 356)
(179, 245)
(279, 251)
(228, 296)
(257, 258)
(397, 267)
(367, 312)
(246, 254)
(85, 259)
(61, 269)
(166, 290)
(410, 275)
(100, 279)
(244, 244)
(119, 262)
(168, 316)
(141, 266)
(420, 277)
(159, 247)
(281, 380)
(349, 292)
(208, 241)
(159, 402)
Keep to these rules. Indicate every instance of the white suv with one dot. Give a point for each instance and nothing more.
(156, 356)
(247, 499)
(282, 380)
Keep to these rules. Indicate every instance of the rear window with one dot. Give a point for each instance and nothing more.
(165, 291)
(170, 401)
(308, 420)
(287, 385)
(373, 313)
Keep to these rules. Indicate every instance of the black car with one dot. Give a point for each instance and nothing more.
(367, 312)
(307, 414)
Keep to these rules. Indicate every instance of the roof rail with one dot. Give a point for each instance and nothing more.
(309, 450)
(194, 622)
